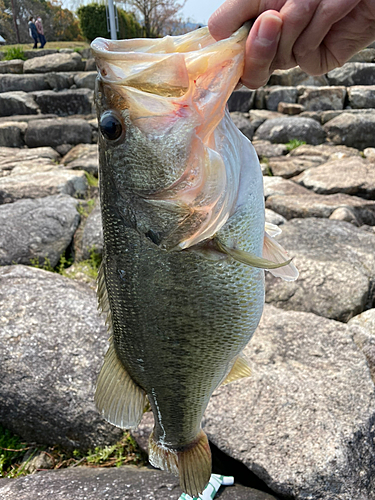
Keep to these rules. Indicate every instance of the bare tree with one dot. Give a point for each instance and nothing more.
(157, 15)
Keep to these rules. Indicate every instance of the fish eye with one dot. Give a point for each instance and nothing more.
(110, 126)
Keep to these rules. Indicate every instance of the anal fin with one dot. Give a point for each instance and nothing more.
(192, 462)
(118, 398)
(240, 369)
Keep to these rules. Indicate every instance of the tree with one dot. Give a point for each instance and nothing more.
(158, 15)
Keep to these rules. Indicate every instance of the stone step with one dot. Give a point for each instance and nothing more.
(47, 81)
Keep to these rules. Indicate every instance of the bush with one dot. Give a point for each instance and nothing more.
(93, 21)
(14, 53)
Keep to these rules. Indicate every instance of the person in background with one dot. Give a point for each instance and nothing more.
(39, 27)
(33, 32)
(317, 35)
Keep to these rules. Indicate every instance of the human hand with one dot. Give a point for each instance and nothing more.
(317, 35)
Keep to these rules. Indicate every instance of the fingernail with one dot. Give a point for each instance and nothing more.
(269, 30)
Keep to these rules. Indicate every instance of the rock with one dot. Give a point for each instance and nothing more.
(92, 238)
(364, 55)
(243, 124)
(83, 157)
(63, 149)
(41, 184)
(351, 176)
(12, 134)
(295, 76)
(322, 98)
(30, 54)
(274, 218)
(277, 185)
(280, 94)
(336, 264)
(362, 96)
(369, 154)
(90, 64)
(37, 229)
(59, 81)
(362, 328)
(326, 116)
(118, 483)
(357, 210)
(352, 73)
(17, 103)
(304, 421)
(52, 348)
(86, 80)
(286, 166)
(15, 66)
(34, 461)
(289, 128)
(25, 83)
(65, 102)
(241, 100)
(354, 130)
(267, 149)
(10, 157)
(58, 131)
(259, 116)
(54, 62)
(290, 109)
(324, 151)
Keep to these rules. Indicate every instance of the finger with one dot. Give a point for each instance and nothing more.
(345, 38)
(296, 15)
(327, 15)
(261, 47)
(231, 15)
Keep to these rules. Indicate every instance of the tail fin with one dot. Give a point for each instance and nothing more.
(192, 463)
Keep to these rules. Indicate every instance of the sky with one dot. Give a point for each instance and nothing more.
(200, 10)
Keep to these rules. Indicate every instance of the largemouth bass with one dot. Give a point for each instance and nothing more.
(182, 279)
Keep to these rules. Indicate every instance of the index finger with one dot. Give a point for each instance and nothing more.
(231, 15)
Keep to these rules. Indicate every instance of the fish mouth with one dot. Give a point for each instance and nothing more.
(164, 66)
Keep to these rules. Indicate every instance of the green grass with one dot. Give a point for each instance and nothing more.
(12, 452)
(293, 144)
(14, 52)
(91, 180)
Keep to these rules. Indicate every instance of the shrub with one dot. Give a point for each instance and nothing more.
(14, 53)
(93, 21)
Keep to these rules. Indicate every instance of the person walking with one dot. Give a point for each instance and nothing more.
(33, 32)
(39, 27)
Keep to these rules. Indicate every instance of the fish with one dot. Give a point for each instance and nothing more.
(185, 248)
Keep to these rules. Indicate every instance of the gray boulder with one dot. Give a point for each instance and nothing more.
(15, 66)
(322, 98)
(90, 64)
(334, 206)
(362, 329)
(52, 347)
(37, 229)
(53, 132)
(12, 134)
(364, 55)
(324, 151)
(65, 102)
(42, 182)
(353, 73)
(304, 421)
(83, 157)
(119, 483)
(17, 103)
(85, 80)
(54, 62)
(243, 124)
(289, 128)
(274, 185)
(12, 156)
(295, 76)
(25, 83)
(354, 130)
(361, 96)
(92, 238)
(278, 94)
(286, 166)
(336, 262)
(351, 176)
(59, 81)
(267, 149)
(241, 100)
(274, 218)
(30, 54)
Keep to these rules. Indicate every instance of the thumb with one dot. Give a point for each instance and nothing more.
(261, 48)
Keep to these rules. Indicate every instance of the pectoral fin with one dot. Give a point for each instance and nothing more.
(118, 398)
(240, 369)
(274, 251)
(250, 259)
